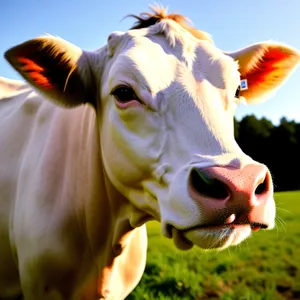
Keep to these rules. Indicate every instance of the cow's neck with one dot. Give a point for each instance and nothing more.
(106, 217)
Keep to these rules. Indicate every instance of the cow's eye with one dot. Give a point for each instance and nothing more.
(237, 93)
(124, 94)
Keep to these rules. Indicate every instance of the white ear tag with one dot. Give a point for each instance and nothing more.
(244, 84)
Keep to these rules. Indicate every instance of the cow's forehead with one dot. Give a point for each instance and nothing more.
(156, 58)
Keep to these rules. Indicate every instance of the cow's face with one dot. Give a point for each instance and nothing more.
(168, 139)
(165, 108)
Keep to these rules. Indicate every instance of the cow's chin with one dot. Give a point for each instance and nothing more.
(214, 237)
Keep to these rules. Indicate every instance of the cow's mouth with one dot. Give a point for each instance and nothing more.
(253, 225)
(212, 236)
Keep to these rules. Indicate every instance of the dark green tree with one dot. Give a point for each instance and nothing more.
(276, 146)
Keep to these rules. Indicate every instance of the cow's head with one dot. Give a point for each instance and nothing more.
(165, 97)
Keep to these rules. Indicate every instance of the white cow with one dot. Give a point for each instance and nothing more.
(148, 135)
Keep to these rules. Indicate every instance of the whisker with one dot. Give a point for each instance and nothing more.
(283, 210)
(280, 223)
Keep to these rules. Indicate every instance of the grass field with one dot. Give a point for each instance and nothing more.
(265, 267)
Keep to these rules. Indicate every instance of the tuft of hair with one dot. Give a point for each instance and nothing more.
(159, 13)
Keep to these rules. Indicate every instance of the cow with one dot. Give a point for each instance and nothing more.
(96, 143)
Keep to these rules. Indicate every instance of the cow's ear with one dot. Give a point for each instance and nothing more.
(265, 66)
(55, 67)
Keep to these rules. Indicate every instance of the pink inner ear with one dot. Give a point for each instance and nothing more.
(34, 72)
(267, 69)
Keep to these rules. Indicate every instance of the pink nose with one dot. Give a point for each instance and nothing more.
(244, 190)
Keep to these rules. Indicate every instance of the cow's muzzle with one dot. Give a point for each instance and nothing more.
(232, 201)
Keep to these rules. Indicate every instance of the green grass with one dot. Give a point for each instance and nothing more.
(265, 267)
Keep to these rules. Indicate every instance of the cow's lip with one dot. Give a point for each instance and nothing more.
(254, 226)
(182, 242)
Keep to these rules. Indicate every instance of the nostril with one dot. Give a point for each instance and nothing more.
(207, 186)
(262, 187)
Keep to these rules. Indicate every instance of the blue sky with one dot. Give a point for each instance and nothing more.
(232, 24)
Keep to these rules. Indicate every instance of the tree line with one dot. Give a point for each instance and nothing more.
(278, 147)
